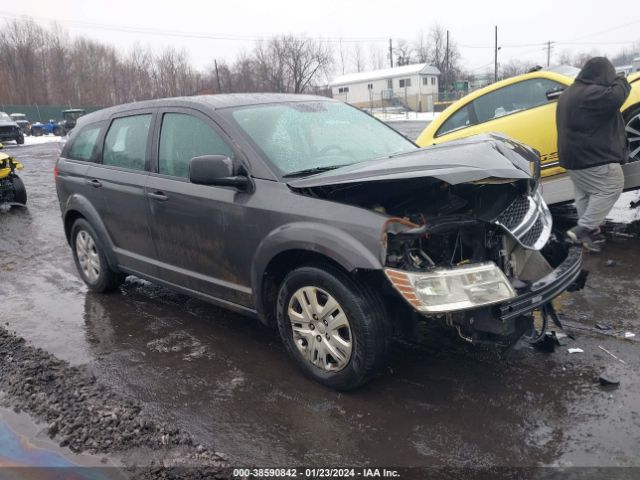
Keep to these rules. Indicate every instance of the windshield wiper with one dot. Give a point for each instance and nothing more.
(312, 171)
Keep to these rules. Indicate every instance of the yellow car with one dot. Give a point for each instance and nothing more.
(524, 108)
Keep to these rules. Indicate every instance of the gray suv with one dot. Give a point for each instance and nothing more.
(314, 217)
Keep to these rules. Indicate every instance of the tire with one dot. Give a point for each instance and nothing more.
(98, 276)
(37, 132)
(58, 131)
(20, 140)
(366, 332)
(632, 119)
(19, 190)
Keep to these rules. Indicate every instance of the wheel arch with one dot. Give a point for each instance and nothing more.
(301, 244)
(79, 207)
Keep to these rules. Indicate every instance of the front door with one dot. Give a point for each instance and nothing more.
(194, 227)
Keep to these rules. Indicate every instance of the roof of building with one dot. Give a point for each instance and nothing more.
(422, 68)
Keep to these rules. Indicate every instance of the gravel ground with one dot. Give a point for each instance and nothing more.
(86, 416)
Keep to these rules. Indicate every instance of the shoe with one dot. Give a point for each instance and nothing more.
(590, 239)
(597, 236)
(578, 234)
(592, 246)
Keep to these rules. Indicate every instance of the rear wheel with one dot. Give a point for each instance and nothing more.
(19, 190)
(632, 128)
(333, 327)
(90, 259)
(20, 139)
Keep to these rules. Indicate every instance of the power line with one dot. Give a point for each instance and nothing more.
(178, 33)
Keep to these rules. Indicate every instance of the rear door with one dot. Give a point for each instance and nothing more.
(195, 227)
(120, 181)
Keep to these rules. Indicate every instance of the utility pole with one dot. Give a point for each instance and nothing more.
(391, 52)
(549, 43)
(446, 63)
(495, 54)
(215, 63)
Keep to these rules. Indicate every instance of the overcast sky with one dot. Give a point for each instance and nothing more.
(605, 26)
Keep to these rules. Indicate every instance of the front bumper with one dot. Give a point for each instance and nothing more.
(546, 289)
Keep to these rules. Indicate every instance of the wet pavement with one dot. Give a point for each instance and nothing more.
(227, 380)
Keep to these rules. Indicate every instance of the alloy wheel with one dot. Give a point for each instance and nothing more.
(633, 137)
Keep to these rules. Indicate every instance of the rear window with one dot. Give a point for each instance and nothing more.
(84, 144)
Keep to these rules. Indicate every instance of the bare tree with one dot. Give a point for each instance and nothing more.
(357, 54)
(444, 55)
(377, 57)
(342, 56)
(421, 48)
(515, 67)
(305, 59)
(403, 52)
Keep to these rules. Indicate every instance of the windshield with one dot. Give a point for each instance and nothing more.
(317, 135)
(18, 116)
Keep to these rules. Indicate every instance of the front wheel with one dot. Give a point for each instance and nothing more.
(90, 259)
(332, 326)
(20, 139)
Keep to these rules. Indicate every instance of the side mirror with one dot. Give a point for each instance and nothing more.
(217, 170)
(554, 94)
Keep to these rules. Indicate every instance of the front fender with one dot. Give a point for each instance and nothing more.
(332, 242)
(78, 205)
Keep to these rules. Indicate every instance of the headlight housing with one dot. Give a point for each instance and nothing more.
(449, 289)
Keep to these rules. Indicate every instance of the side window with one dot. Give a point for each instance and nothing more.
(513, 98)
(183, 137)
(458, 120)
(84, 143)
(126, 142)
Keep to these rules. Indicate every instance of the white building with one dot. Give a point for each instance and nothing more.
(412, 86)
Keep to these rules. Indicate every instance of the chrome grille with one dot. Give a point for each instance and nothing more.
(528, 221)
(515, 213)
(530, 238)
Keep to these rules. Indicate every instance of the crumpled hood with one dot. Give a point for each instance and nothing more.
(598, 70)
(471, 159)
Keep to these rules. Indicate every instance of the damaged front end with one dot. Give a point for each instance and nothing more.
(468, 238)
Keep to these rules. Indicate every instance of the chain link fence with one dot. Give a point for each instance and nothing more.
(43, 113)
(392, 102)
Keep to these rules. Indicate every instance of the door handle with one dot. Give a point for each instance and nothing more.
(94, 183)
(159, 196)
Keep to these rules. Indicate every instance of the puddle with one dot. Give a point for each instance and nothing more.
(26, 452)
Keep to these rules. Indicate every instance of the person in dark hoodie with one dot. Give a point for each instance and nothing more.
(592, 145)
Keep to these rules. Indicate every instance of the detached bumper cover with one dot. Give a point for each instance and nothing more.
(545, 289)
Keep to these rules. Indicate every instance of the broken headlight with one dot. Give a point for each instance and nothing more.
(449, 289)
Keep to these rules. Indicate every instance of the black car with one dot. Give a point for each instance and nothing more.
(10, 130)
(316, 218)
(23, 122)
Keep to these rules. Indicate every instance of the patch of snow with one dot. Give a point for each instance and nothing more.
(30, 140)
(622, 212)
(406, 116)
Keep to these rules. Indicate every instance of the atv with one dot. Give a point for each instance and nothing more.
(12, 190)
(51, 128)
